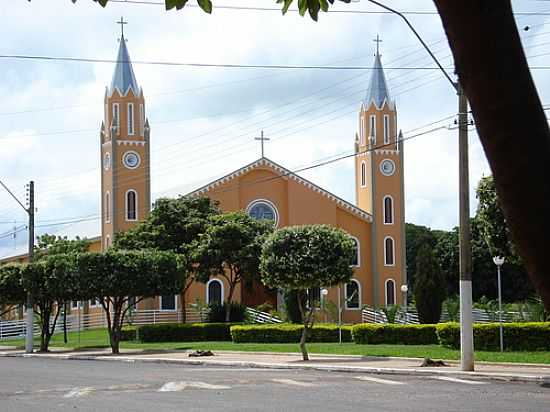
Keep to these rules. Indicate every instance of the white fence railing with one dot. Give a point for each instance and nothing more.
(371, 315)
(261, 317)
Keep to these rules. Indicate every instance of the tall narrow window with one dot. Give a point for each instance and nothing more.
(363, 174)
(388, 210)
(107, 207)
(130, 118)
(389, 253)
(116, 118)
(168, 302)
(386, 129)
(372, 128)
(131, 205)
(353, 295)
(214, 291)
(107, 242)
(356, 255)
(141, 119)
(390, 292)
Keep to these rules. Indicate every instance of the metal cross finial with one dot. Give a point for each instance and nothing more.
(262, 139)
(122, 23)
(377, 41)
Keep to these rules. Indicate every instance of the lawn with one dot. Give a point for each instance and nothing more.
(99, 338)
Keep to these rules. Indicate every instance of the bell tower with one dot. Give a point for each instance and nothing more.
(379, 185)
(125, 151)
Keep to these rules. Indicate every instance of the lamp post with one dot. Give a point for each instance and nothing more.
(324, 293)
(405, 289)
(499, 261)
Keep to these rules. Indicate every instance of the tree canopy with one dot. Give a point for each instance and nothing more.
(11, 289)
(429, 288)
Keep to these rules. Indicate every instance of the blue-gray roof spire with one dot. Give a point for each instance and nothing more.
(377, 91)
(123, 77)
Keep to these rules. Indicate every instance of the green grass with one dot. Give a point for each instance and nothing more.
(99, 338)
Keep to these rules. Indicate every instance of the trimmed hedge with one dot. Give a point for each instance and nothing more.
(373, 334)
(287, 333)
(129, 333)
(517, 336)
(185, 332)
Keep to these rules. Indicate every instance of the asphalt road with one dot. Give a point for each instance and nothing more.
(62, 385)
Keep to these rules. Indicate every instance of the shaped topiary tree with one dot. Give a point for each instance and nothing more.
(305, 257)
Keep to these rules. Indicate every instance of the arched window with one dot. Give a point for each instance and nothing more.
(107, 207)
(389, 252)
(116, 118)
(214, 291)
(388, 210)
(357, 256)
(390, 292)
(131, 205)
(130, 118)
(353, 295)
(363, 174)
(386, 129)
(372, 129)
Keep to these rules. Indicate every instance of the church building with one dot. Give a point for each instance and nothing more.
(267, 190)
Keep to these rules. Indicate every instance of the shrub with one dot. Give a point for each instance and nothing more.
(517, 336)
(287, 333)
(185, 332)
(216, 313)
(373, 334)
(291, 306)
(128, 333)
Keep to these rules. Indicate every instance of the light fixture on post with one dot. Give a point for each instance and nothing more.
(499, 261)
(405, 290)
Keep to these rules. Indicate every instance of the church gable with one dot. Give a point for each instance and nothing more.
(267, 178)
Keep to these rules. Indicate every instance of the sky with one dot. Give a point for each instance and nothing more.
(204, 120)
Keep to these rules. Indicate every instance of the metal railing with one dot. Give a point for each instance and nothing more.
(261, 317)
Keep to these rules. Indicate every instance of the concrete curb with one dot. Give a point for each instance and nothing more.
(494, 376)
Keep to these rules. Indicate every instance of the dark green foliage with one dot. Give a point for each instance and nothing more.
(291, 306)
(517, 336)
(416, 237)
(374, 334)
(112, 277)
(185, 332)
(54, 245)
(230, 248)
(128, 333)
(429, 288)
(11, 288)
(216, 312)
(287, 333)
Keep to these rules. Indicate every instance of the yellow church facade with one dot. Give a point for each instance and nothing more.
(267, 190)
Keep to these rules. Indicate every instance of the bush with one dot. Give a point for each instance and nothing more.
(517, 336)
(185, 332)
(216, 313)
(128, 333)
(373, 334)
(287, 333)
(291, 307)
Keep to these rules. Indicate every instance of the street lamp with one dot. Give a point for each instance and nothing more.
(405, 289)
(499, 261)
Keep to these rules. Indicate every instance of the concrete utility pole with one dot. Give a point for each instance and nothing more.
(30, 311)
(465, 249)
(466, 324)
(30, 212)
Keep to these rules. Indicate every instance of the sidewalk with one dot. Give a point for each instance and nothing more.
(334, 363)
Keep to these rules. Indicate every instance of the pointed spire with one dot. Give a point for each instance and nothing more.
(123, 77)
(377, 91)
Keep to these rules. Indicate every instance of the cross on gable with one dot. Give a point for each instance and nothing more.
(262, 139)
(377, 41)
(122, 23)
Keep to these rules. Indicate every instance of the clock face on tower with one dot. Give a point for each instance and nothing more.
(387, 167)
(131, 160)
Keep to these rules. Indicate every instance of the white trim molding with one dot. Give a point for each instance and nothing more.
(392, 210)
(126, 205)
(168, 310)
(386, 291)
(358, 247)
(131, 142)
(363, 172)
(359, 291)
(393, 251)
(130, 119)
(221, 289)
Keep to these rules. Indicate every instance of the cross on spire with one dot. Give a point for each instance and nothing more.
(122, 23)
(262, 139)
(377, 41)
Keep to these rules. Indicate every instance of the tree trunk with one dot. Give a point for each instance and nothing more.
(45, 329)
(228, 303)
(305, 320)
(510, 121)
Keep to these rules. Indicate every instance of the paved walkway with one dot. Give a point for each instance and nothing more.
(339, 363)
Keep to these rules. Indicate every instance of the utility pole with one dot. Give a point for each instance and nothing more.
(465, 249)
(30, 212)
(30, 311)
(466, 324)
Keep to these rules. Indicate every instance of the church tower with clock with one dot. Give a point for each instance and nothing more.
(379, 186)
(125, 152)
